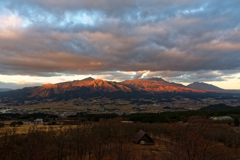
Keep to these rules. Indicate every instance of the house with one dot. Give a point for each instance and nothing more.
(143, 138)
(38, 121)
(222, 118)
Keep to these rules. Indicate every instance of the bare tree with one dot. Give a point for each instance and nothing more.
(188, 142)
(59, 141)
(79, 137)
(99, 139)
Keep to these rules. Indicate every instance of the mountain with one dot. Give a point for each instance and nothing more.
(4, 89)
(85, 86)
(155, 79)
(90, 87)
(204, 86)
(219, 107)
(158, 86)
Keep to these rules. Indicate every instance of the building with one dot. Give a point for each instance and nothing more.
(126, 121)
(38, 121)
(143, 138)
(222, 118)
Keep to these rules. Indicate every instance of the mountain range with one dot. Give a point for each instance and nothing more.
(4, 89)
(90, 87)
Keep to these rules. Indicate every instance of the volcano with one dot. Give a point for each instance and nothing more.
(90, 87)
(158, 86)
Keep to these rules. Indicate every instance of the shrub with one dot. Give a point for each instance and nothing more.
(19, 123)
(1, 125)
(54, 123)
(236, 121)
(13, 124)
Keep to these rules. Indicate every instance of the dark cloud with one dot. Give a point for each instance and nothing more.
(184, 40)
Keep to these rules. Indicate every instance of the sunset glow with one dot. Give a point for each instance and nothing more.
(44, 41)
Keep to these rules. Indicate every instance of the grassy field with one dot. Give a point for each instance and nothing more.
(24, 129)
(127, 108)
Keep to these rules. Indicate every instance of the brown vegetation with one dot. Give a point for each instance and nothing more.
(199, 139)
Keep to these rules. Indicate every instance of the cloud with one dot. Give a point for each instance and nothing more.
(182, 40)
(113, 76)
(195, 76)
(19, 85)
(140, 74)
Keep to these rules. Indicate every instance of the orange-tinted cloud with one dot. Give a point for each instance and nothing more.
(49, 38)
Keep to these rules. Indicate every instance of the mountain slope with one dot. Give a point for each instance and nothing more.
(204, 86)
(158, 86)
(90, 87)
(18, 94)
(81, 87)
(4, 89)
(219, 107)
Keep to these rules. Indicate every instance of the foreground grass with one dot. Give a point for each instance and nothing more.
(24, 129)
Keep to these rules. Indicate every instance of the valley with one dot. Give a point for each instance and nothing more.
(112, 106)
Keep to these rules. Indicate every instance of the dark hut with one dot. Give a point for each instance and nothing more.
(143, 138)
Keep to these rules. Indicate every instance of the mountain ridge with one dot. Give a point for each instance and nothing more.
(219, 107)
(97, 87)
(5, 89)
(204, 86)
(154, 86)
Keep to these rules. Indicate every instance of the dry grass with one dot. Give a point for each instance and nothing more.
(24, 129)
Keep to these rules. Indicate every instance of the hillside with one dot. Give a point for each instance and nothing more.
(82, 87)
(204, 86)
(4, 89)
(158, 86)
(219, 107)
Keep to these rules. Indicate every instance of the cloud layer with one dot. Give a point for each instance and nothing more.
(17, 85)
(183, 39)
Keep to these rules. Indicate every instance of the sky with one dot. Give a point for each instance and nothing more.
(182, 41)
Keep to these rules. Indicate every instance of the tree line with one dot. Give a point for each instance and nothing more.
(112, 140)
